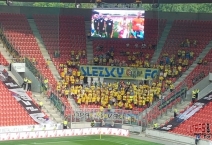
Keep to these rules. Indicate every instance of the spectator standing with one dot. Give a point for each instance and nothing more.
(197, 139)
(24, 83)
(112, 124)
(197, 92)
(102, 123)
(193, 96)
(29, 82)
(175, 112)
(155, 126)
(40, 105)
(65, 123)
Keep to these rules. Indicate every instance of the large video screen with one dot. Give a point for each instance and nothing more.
(117, 24)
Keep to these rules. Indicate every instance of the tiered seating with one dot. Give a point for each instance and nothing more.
(19, 34)
(191, 30)
(11, 112)
(153, 30)
(3, 61)
(202, 115)
(205, 68)
(63, 33)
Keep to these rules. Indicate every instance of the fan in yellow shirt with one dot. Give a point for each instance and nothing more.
(130, 106)
(66, 93)
(78, 73)
(67, 79)
(126, 105)
(81, 78)
(83, 100)
(98, 99)
(65, 70)
(120, 104)
(74, 73)
(62, 74)
(135, 101)
(140, 103)
(119, 97)
(79, 101)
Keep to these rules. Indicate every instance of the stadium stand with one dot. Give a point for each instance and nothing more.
(201, 70)
(183, 51)
(20, 36)
(12, 113)
(202, 115)
(69, 39)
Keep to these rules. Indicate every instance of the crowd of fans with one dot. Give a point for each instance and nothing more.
(134, 59)
(121, 94)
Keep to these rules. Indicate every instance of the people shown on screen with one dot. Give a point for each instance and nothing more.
(117, 25)
(138, 27)
(123, 33)
(139, 34)
(96, 23)
(109, 27)
(101, 25)
(123, 28)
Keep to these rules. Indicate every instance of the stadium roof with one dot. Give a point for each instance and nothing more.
(118, 1)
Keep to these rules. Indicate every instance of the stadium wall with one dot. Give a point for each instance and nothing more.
(30, 11)
(175, 137)
(63, 133)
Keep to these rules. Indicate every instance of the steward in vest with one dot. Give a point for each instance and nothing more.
(193, 96)
(92, 123)
(175, 112)
(24, 83)
(65, 123)
(197, 92)
(29, 85)
(45, 84)
(40, 105)
(155, 126)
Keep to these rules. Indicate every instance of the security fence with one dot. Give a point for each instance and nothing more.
(124, 117)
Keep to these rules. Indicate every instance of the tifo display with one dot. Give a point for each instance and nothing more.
(117, 24)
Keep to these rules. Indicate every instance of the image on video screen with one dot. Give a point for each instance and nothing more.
(117, 24)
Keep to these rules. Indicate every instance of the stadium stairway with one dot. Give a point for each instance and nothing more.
(48, 107)
(161, 120)
(185, 74)
(5, 53)
(8, 57)
(191, 68)
(43, 48)
(162, 41)
(53, 69)
(89, 43)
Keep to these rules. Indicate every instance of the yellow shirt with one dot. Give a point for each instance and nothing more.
(79, 101)
(78, 73)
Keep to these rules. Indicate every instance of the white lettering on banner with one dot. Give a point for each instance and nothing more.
(168, 127)
(11, 85)
(191, 111)
(26, 102)
(62, 133)
(208, 98)
(30, 128)
(39, 117)
(31, 108)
